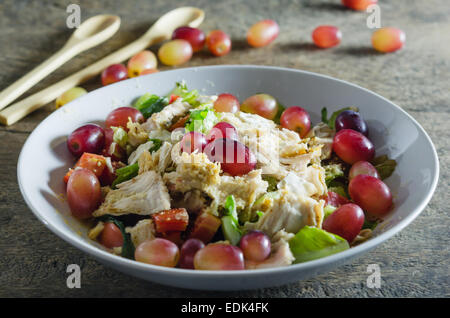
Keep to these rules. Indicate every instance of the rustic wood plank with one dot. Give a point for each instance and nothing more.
(413, 263)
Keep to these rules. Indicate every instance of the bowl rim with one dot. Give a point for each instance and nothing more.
(108, 257)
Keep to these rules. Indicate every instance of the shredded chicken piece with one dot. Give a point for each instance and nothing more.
(136, 134)
(307, 183)
(158, 161)
(164, 118)
(277, 150)
(95, 231)
(196, 172)
(144, 194)
(145, 162)
(289, 212)
(322, 134)
(134, 156)
(193, 201)
(281, 254)
(142, 231)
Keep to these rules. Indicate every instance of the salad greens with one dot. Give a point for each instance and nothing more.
(125, 173)
(339, 187)
(202, 120)
(186, 95)
(384, 166)
(149, 104)
(333, 171)
(327, 210)
(120, 136)
(312, 243)
(157, 143)
(230, 223)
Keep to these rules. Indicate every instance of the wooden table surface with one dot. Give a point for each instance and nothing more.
(413, 263)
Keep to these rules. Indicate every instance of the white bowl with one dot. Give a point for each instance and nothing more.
(44, 160)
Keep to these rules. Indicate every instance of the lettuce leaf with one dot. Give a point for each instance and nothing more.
(149, 104)
(328, 210)
(312, 243)
(202, 120)
(120, 136)
(230, 223)
(186, 95)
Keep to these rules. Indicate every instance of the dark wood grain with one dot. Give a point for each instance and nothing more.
(413, 263)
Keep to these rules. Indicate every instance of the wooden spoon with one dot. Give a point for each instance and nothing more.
(90, 33)
(161, 30)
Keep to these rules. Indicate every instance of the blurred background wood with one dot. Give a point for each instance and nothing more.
(413, 263)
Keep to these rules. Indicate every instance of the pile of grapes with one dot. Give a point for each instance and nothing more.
(186, 41)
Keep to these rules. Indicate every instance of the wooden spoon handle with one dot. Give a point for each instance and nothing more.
(22, 108)
(31, 78)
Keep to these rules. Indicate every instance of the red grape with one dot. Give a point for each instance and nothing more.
(262, 104)
(388, 40)
(219, 256)
(226, 103)
(352, 146)
(193, 141)
(111, 236)
(157, 251)
(234, 157)
(262, 33)
(360, 5)
(363, 167)
(175, 52)
(195, 37)
(255, 245)
(371, 194)
(222, 130)
(218, 43)
(297, 119)
(188, 251)
(114, 73)
(346, 221)
(83, 193)
(349, 119)
(112, 149)
(144, 60)
(88, 138)
(119, 117)
(326, 36)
